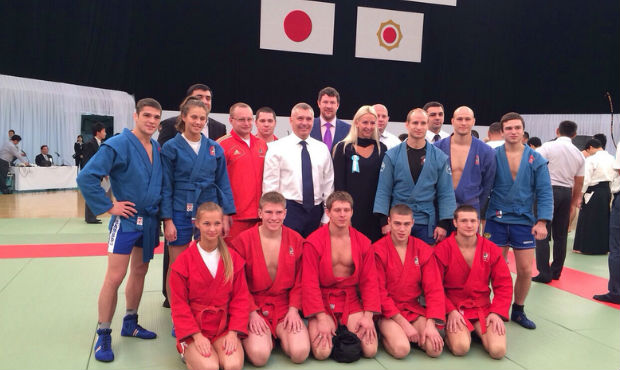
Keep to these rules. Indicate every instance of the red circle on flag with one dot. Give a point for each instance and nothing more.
(389, 35)
(297, 25)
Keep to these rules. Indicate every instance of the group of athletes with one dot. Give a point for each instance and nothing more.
(263, 248)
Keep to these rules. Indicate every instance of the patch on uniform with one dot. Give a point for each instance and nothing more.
(260, 150)
(449, 170)
(291, 251)
(382, 166)
(422, 160)
(139, 221)
(236, 152)
(485, 257)
(477, 160)
(487, 235)
(531, 160)
(416, 261)
(212, 150)
(189, 207)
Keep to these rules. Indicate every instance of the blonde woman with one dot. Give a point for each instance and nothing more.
(209, 297)
(357, 161)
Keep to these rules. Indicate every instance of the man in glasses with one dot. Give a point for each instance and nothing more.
(245, 157)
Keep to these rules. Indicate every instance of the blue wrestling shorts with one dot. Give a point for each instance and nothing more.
(122, 242)
(510, 235)
(185, 228)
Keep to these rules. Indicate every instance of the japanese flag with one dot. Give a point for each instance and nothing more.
(297, 25)
(389, 34)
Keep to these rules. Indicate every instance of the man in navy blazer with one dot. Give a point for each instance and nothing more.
(328, 102)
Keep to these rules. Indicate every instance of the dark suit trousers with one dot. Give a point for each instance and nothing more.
(558, 230)
(614, 247)
(301, 220)
(4, 171)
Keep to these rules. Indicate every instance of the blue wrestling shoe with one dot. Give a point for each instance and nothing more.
(132, 329)
(520, 318)
(174, 333)
(103, 347)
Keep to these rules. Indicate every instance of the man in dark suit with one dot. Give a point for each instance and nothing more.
(88, 151)
(327, 128)
(213, 129)
(167, 130)
(44, 159)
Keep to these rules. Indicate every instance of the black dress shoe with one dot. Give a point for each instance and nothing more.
(607, 298)
(541, 279)
(94, 222)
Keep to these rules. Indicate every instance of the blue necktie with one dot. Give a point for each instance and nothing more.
(306, 177)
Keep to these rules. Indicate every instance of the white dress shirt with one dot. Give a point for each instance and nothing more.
(565, 161)
(599, 168)
(10, 151)
(211, 259)
(323, 128)
(390, 140)
(430, 135)
(282, 172)
(495, 143)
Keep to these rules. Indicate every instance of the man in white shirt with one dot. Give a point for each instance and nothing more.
(566, 168)
(613, 294)
(8, 152)
(300, 168)
(435, 121)
(495, 135)
(390, 140)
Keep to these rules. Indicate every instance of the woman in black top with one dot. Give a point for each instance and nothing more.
(357, 161)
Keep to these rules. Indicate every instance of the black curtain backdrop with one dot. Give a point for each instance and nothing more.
(557, 56)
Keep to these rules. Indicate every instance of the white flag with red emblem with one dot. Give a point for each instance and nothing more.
(389, 34)
(297, 25)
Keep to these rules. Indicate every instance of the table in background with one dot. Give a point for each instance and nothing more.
(44, 178)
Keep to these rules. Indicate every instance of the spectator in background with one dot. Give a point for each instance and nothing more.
(390, 140)
(495, 135)
(212, 130)
(88, 151)
(526, 137)
(534, 142)
(44, 159)
(11, 133)
(8, 153)
(602, 138)
(592, 233)
(435, 121)
(266, 124)
(77, 149)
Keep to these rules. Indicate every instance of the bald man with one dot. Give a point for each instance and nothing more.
(472, 161)
(390, 140)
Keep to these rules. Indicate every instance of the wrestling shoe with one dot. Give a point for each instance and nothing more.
(103, 346)
(132, 329)
(174, 333)
(520, 318)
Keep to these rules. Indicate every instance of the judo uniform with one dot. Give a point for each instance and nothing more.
(396, 186)
(133, 178)
(401, 284)
(476, 181)
(191, 179)
(512, 200)
(338, 296)
(272, 298)
(207, 304)
(467, 288)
